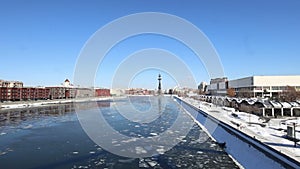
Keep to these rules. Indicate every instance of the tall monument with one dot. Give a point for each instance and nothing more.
(159, 84)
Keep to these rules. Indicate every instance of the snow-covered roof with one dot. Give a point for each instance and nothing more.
(238, 100)
(275, 104)
(265, 103)
(229, 99)
(294, 104)
(251, 101)
(285, 105)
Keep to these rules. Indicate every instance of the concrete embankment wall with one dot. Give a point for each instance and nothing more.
(248, 151)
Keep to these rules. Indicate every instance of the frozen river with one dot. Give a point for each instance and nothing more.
(52, 137)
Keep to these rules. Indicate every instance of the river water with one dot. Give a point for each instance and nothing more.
(52, 137)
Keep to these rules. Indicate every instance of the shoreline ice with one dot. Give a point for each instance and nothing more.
(271, 134)
(40, 103)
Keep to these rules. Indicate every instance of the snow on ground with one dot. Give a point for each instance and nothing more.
(270, 132)
(13, 105)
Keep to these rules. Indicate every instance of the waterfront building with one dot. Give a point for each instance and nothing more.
(117, 92)
(14, 91)
(218, 86)
(11, 84)
(254, 86)
(24, 93)
(32, 93)
(139, 91)
(264, 86)
(63, 91)
(102, 92)
(60, 92)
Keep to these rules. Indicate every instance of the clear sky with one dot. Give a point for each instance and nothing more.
(41, 40)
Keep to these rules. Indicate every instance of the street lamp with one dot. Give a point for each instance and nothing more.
(295, 140)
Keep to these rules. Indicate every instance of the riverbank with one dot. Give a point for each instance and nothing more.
(61, 140)
(26, 104)
(270, 133)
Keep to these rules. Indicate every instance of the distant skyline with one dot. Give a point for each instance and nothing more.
(41, 40)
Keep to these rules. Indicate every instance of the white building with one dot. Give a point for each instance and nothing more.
(263, 86)
(11, 84)
(218, 86)
(117, 92)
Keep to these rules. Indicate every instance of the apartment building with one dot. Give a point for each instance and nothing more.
(14, 91)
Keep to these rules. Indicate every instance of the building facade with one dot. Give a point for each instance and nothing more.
(255, 86)
(14, 91)
(102, 92)
(24, 93)
(11, 84)
(61, 92)
(263, 86)
(139, 91)
(218, 86)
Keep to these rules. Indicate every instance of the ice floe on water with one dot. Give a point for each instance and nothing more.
(83, 167)
(189, 153)
(114, 141)
(129, 140)
(153, 134)
(152, 163)
(6, 150)
(147, 163)
(29, 126)
(161, 150)
(143, 164)
(140, 150)
(3, 153)
(126, 160)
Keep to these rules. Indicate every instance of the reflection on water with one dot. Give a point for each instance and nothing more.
(51, 137)
(9, 116)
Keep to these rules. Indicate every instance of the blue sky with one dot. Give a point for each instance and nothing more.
(41, 40)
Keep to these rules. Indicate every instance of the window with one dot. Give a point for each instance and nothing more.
(282, 88)
(258, 88)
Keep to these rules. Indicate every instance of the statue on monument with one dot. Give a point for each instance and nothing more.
(159, 84)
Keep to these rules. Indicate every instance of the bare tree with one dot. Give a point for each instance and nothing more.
(245, 93)
(290, 94)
